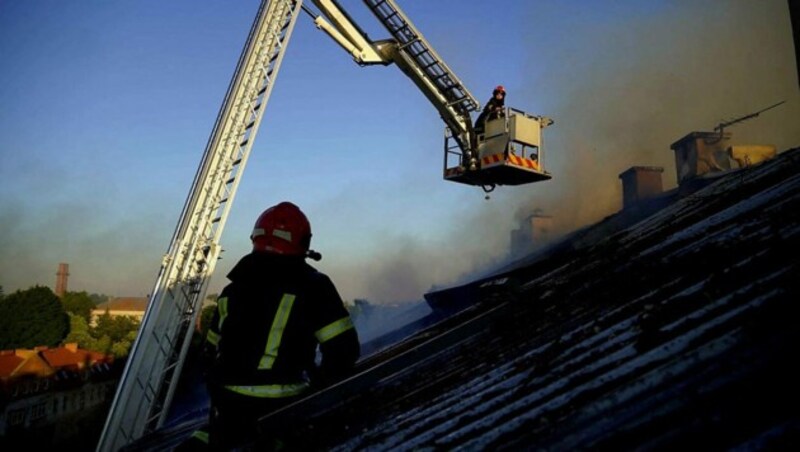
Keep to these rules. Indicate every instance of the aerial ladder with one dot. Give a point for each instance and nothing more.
(507, 153)
(510, 149)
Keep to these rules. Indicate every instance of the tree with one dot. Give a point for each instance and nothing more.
(32, 317)
(98, 298)
(79, 333)
(115, 334)
(78, 303)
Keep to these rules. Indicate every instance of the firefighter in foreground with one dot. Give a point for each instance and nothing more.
(263, 338)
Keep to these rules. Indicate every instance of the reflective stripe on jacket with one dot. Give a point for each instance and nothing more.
(270, 320)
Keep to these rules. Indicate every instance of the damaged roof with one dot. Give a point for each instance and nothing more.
(659, 327)
(673, 329)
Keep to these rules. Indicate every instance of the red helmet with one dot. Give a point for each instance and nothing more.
(500, 89)
(282, 229)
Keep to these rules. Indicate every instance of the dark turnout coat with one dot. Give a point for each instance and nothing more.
(492, 110)
(270, 319)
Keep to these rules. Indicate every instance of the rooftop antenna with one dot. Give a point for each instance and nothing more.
(722, 125)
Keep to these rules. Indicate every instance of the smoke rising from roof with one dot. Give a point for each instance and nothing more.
(621, 91)
(622, 81)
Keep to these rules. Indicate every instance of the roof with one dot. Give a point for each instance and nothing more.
(71, 357)
(124, 304)
(45, 361)
(672, 329)
(9, 362)
(663, 333)
(28, 362)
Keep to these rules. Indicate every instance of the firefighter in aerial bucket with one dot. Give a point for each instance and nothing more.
(262, 342)
(494, 108)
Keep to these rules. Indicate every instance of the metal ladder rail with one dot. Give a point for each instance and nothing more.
(415, 45)
(149, 380)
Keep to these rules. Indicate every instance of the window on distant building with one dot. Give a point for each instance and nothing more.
(16, 417)
(38, 411)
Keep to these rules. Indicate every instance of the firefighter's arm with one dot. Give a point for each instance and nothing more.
(339, 353)
(337, 337)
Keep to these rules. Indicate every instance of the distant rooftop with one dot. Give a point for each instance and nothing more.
(124, 304)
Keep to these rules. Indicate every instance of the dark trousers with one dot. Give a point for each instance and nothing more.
(233, 423)
(234, 419)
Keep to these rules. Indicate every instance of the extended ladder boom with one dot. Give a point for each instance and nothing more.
(149, 380)
(412, 53)
(428, 70)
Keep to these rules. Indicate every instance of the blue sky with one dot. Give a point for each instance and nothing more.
(105, 109)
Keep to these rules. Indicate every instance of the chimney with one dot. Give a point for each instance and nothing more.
(700, 153)
(61, 281)
(534, 231)
(640, 182)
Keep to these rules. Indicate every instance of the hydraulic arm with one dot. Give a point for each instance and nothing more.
(411, 52)
(510, 154)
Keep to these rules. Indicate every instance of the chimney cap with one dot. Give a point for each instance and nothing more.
(641, 169)
(695, 135)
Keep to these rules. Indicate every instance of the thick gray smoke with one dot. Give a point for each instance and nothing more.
(623, 80)
(638, 86)
(621, 92)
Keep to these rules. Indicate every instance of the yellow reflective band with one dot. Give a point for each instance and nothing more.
(336, 328)
(270, 391)
(276, 332)
(212, 338)
(201, 435)
(222, 306)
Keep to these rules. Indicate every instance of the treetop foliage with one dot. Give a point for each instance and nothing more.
(31, 318)
(79, 303)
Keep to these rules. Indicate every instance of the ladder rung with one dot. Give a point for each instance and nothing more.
(457, 101)
(243, 143)
(423, 52)
(404, 27)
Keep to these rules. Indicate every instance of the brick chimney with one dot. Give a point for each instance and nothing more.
(61, 280)
(640, 182)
